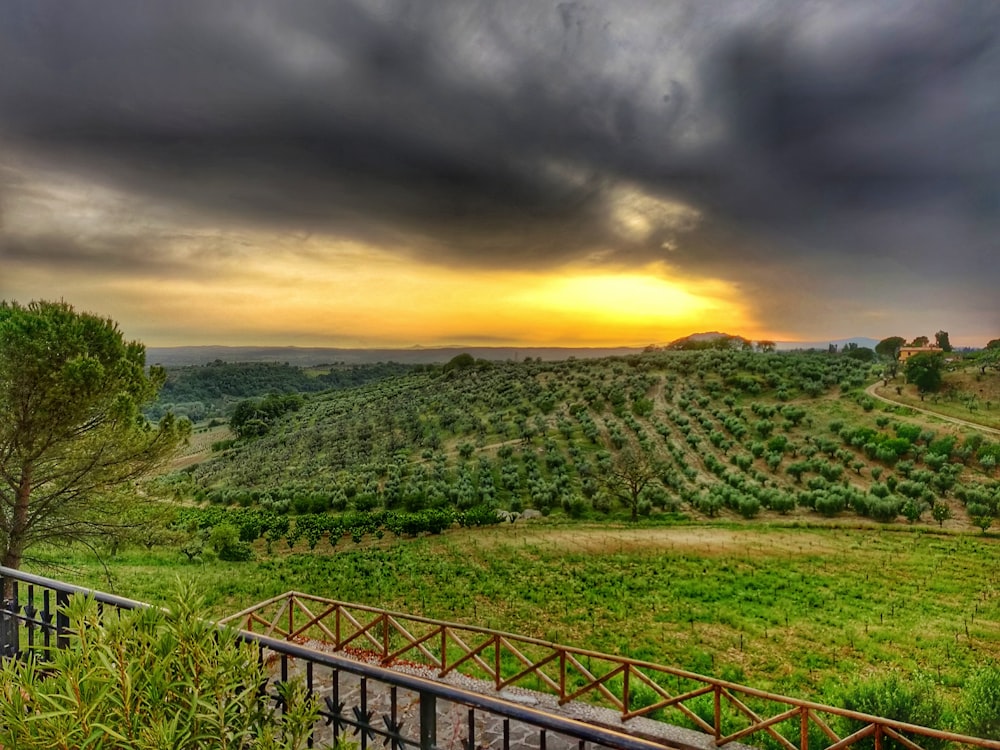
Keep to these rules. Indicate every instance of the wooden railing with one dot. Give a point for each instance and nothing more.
(725, 710)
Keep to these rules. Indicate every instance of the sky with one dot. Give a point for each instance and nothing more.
(391, 173)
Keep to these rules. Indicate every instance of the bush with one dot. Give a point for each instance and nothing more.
(225, 540)
(977, 712)
(749, 507)
(884, 510)
(913, 699)
(188, 683)
(829, 504)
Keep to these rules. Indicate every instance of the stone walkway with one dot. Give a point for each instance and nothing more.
(453, 719)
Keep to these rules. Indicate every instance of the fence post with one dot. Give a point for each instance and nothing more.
(626, 698)
(717, 711)
(428, 721)
(10, 644)
(62, 619)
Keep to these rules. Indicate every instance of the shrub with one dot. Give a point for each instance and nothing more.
(884, 510)
(749, 507)
(575, 507)
(913, 509)
(913, 699)
(977, 712)
(225, 540)
(708, 504)
(829, 504)
(188, 684)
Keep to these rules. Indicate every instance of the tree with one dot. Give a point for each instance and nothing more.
(860, 353)
(920, 341)
(941, 513)
(631, 470)
(989, 357)
(73, 441)
(941, 338)
(993, 344)
(253, 418)
(766, 346)
(888, 349)
(924, 371)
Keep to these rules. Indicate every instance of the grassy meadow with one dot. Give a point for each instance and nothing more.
(793, 609)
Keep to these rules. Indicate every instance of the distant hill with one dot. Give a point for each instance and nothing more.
(178, 356)
(708, 340)
(823, 345)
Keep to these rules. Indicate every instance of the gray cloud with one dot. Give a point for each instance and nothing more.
(834, 138)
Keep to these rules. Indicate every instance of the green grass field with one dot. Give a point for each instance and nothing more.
(789, 609)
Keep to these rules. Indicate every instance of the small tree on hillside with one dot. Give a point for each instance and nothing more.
(631, 471)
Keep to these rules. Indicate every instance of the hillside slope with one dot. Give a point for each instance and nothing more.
(701, 433)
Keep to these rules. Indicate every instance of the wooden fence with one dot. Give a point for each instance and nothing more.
(725, 710)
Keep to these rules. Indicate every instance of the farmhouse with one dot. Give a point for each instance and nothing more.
(908, 351)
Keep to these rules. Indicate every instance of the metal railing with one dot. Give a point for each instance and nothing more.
(724, 710)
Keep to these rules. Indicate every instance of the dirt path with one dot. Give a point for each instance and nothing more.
(870, 390)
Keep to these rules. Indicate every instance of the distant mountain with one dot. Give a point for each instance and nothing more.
(177, 356)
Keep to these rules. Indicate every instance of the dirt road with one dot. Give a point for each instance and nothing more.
(870, 390)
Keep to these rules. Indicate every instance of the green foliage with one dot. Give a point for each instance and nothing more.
(460, 362)
(548, 435)
(808, 602)
(230, 530)
(253, 418)
(749, 507)
(889, 347)
(72, 436)
(148, 680)
(225, 540)
(978, 711)
(860, 353)
(942, 340)
(911, 699)
(215, 386)
(940, 513)
(925, 371)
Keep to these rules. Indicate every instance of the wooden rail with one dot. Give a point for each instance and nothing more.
(725, 710)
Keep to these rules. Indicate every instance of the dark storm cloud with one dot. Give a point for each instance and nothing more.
(505, 134)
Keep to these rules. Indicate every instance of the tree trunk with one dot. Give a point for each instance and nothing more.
(19, 523)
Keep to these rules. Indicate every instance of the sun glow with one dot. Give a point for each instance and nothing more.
(315, 292)
(632, 307)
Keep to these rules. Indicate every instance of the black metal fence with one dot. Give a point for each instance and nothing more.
(374, 706)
